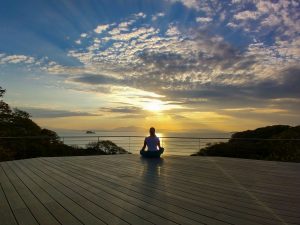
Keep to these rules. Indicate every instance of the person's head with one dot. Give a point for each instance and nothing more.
(152, 131)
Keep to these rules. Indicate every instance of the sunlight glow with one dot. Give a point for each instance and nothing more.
(154, 106)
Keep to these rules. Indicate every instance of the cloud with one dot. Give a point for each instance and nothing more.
(124, 112)
(257, 110)
(208, 8)
(53, 113)
(203, 19)
(173, 59)
(286, 87)
(97, 79)
(126, 24)
(100, 28)
(78, 41)
(178, 63)
(189, 64)
(279, 17)
(140, 15)
(157, 16)
(192, 4)
(138, 33)
(15, 59)
(232, 25)
(121, 109)
(247, 15)
(173, 31)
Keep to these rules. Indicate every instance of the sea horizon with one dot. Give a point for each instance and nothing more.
(132, 141)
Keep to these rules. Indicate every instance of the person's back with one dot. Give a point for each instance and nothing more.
(152, 142)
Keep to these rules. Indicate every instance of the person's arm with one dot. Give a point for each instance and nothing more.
(143, 148)
(158, 144)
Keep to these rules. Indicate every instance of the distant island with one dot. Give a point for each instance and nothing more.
(22, 138)
(90, 132)
(266, 143)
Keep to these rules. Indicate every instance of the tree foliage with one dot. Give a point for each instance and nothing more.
(258, 144)
(105, 147)
(2, 91)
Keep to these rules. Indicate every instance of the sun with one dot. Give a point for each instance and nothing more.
(154, 106)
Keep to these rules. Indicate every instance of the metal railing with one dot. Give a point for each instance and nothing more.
(174, 145)
(133, 144)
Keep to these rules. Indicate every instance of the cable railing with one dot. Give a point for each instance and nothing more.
(174, 145)
(133, 144)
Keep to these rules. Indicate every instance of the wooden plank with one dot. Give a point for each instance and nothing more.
(189, 171)
(234, 195)
(18, 207)
(271, 193)
(39, 211)
(100, 189)
(108, 212)
(263, 177)
(61, 214)
(279, 207)
(145, 214)
(68, 204)
(6, 214)
(181, 188)
(281, 203)
(221, 215)
(125, 189)
(275, 215)
(185, 215)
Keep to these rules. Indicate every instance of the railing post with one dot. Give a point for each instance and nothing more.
(129, 143)
(199, 144)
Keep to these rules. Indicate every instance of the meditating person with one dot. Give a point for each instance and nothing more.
(153, 145)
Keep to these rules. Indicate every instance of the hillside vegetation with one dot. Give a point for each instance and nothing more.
(248, 144)
(21, 138)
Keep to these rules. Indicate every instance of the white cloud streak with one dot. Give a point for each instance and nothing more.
(203, 19)
(247, 15)
(100, 28)
(15, 59)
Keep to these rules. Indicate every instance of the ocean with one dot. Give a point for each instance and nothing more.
(175, 143)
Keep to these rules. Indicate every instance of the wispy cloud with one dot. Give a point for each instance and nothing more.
(14, 59)
(122, 109)
(247, 15)
(157, 16)
(193, 4)
(54, 113)
(204, 19)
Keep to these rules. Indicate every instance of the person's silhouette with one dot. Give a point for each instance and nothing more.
(153, 145)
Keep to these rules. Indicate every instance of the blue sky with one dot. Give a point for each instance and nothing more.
(175, 64)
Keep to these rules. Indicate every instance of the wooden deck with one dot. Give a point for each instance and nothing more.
(126, 189)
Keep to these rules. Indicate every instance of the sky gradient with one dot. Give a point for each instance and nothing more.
(174, 64)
